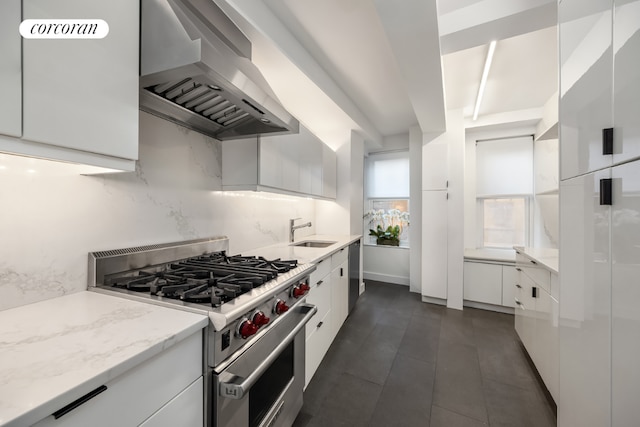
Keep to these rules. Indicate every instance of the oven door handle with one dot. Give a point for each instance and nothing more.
(236, 387)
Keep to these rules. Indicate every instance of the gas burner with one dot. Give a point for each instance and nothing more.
(213, 278)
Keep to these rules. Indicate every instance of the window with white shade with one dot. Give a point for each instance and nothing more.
(504, 188)
(387, 193)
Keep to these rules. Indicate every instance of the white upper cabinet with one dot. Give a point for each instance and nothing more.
(80, 96)
(586, 80)
(10, 69)
(329, 172)
(297, 164)
(626, 99)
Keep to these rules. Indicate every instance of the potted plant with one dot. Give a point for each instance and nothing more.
(388, 237)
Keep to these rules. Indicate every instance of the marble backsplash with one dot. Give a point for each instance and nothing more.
(49, 222)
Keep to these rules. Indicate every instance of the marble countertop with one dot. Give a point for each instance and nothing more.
(303, 254)
(546, 257)
(55, 351)
(497, 255)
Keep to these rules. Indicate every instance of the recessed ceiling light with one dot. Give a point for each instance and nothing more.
(215, 87)
(483, 81)
(265, 120)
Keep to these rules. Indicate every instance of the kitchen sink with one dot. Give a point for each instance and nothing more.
(313, 244)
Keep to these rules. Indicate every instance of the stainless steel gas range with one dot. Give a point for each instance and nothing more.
(254, 344)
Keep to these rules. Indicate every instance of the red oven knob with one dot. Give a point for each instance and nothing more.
(259, 319)
(247, 328)
(280, 307)
(297, 291)
(306, 288)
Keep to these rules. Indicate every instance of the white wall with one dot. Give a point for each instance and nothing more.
(415, 228)
(49, 224)
(386, 264)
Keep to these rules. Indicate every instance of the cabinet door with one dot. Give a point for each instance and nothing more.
(509, 280)
(329, 171)
(626, 99)
(10, 68)
(83, 94)
(186, 409)
(339, 296)
(525, 314)
(585, 304)
(586, 76)
(625, 251)
(317, 345)
(483, 282)
(270, 162)
(546, 340)
(434, 244)
(310, 157)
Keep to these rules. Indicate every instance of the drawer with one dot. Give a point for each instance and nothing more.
(339, 257)
(186, 409)
(150, 385)
(540, 275)
(320, 296)
(323, 268)
(317, 345)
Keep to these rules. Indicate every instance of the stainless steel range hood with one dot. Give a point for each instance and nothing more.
(196, 71)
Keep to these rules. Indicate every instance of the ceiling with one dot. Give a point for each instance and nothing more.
(379, 68)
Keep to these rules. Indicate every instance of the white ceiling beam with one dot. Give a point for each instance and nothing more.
(261, 19)
(487, 20)
(412, 31)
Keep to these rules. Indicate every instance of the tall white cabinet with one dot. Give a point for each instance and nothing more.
(599, 235)
(435, 156)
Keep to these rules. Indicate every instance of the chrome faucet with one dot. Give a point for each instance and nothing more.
(293, 228)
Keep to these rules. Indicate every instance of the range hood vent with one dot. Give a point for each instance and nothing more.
(196, 71)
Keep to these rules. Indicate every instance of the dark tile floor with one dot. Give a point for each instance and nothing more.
(400, 362)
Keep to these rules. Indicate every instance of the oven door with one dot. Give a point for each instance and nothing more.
(262, 386)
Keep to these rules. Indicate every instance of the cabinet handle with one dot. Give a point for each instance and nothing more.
(534, 292)
(319, 282)
(518, 286)
(320, 324)
(517, 302)
(73, 405)
(518, 268)
(606, 188)
(533, 262)
(607, 141)
(341, 272)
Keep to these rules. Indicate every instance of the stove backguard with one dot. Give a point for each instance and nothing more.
(105, 263)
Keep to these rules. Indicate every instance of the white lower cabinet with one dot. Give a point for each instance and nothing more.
(489, 283)
(330, 294)
(186, 409)
(536, 322)
(137, 394)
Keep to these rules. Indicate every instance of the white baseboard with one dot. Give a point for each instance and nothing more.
(432, 300)
(490, 307)
(398, 280)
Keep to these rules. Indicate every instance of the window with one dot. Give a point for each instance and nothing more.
(504, 188)
(504, 222)
(387, 194)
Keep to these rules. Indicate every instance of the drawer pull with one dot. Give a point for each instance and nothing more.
(518, 268)
(320, 282)
(519, 303)
(320, 324)
(518, 286)
(533, 262)
(73, 405)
